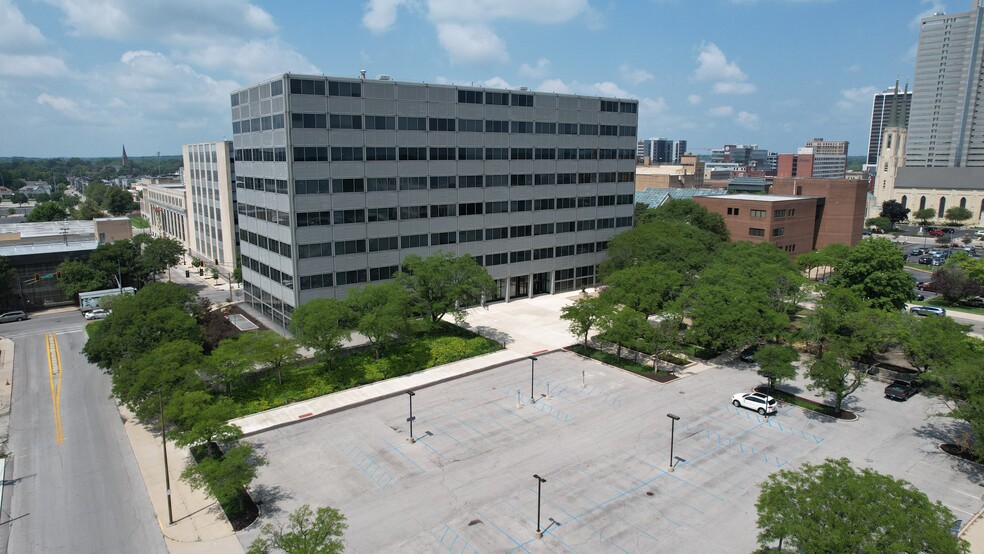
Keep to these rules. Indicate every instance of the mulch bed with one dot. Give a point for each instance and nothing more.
(960, 452)
(660, 377)
(828, 410)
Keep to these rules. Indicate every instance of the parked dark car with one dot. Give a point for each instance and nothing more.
(926, 260)
(926, 285)
(918, 252)
(947, 230)
(900, 390)
(748, 355)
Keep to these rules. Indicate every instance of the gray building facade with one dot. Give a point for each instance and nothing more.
(881, 117)
(339, 179)
(945, 127)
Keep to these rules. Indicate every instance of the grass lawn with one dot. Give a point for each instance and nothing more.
(445, 344)
(611, 359)
(139, 222)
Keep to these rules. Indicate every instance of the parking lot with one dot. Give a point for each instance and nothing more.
(466, 484)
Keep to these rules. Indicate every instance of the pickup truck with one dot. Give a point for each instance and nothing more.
(900, 390)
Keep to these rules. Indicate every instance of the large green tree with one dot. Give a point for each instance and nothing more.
(776, 363)
(202, 418)
(835, 373)
(119, 202)
(894, 211)
(875, 270)
(231, 361)
(833, 507)
(78, 276)
(381, 313)
(933, 343)
(584, 314)
(275, 353)
(225, 475)
(306, 532)
(959, 374)
(924, 215)
(645, 288)
(684, 247)
(322, 324)
(443, 284)
(167, 368)
(624, 327)
(160, 254)
(47, 211)
(958, 214)
(687, 212)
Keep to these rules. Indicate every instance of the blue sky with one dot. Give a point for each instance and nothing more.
(83, 77)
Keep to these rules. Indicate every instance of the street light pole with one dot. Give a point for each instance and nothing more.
(167, 474)
(673, 421)
(410, 395)
(539, 484)
(532, 368)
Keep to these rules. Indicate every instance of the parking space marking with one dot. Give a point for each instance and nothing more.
(449, 533)
(368, 464)
(491, 418)
(576, 519)
(499, 529)
(399, 451)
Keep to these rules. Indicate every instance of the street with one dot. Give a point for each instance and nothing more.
(73, 485)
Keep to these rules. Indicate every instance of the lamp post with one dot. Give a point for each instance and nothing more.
(167, 474)
(532, 369)
(539, 484)
(410, 395)
(674, 419)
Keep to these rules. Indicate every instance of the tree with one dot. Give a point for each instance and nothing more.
(924, 215)
(47, 211)
(645, 288)
(933, 343)
(166, 369)
(958, 214)
(954, 284)
(894, 211)
(78, 276)
(875, 270)
(776, 363)
(639, 211)
(322, 324)
(835, 373)
(686, 248)
(231, 360)
(160, 254)
(688, 212)
(7, 276)
(88, 210)
(882, 223)
(961, 380)
(832, 507)
(226, 475)
(275, 353)
(119, 202)
(201, 418)
(381, 312)
(726, 316)
(585, 314)
(841, 317)
(624, 327)
(444, 284)
(306, 531)
(19, 198)
(662, 335)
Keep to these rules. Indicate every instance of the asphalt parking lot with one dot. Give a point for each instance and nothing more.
(466, 484)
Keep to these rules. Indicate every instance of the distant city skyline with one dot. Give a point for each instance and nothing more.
(82, 80)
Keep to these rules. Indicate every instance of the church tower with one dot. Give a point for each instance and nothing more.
(891, 155)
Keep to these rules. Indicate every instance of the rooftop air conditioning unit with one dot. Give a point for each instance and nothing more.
(384, 77)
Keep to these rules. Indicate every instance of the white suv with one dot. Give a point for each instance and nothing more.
(761, 403)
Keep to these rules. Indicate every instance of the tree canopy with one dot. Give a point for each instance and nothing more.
(47, 211)
(443, 284)
(833, 507)
(322, 324)
(875, 270)
(894, 211)
(687, 212)
(686, 248)
(306, 531)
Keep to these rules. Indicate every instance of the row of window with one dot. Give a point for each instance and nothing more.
(391, 123)
(325, 218)
(327, 280)
(383, 184)
(269, 154)
(382, 244)
(755, 232)
(242, 97)
(263, 269)
(272, 245)
(317, 87)
(263, 214)
(423, 153)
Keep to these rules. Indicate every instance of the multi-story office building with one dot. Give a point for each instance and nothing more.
(944, 128)
(749, 155)
(881, 117)
(209, 174)
(661, 150)
(819, 159)
(339, 179)
(166, 209)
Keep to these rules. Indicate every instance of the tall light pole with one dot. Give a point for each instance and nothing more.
(410, 395)
(674, 419)
(539, 484)
(167, 474)
(532, 369)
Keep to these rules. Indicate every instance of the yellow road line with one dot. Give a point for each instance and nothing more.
(51, 344)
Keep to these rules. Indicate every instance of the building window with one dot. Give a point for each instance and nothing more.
(758, 213)
(753, 232)
(732, 211)
(942, 209)
(922, 202)
(778, 231)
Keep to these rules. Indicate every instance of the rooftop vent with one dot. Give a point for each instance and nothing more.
(384, 77)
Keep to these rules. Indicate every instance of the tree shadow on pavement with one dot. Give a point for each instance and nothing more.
(268, 498)
(498, 336)
(951, 431)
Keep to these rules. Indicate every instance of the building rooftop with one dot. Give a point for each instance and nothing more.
(957, 178)
(655, 197)
(766, 197)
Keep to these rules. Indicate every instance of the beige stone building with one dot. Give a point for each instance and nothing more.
(688, 174)
(209, 178)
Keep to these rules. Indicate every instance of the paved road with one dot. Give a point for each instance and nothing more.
(74, 487)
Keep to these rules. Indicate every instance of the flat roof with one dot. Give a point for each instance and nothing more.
(762, 197)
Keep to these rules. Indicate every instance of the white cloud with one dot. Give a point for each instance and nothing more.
(65, 106)
(16, 33)
(933, 7)
(720, 111)
(747, 120)
(13, 65)
(727, 78)
(634, 75)
(538, 71)
(854, 98)
(498, 82)
(693, 99)
(605, 88)
(252, 60)
(380, 15)
(465, 28)
(471, 43)
(652, 107)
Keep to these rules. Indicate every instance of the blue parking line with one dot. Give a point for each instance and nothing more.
(577, 517)
(620, 469)
(450, 436)
(499, 529)
(396, 449)
(678, 479)
(462, 422)
(493, 419)
(455, 537)
(634, 479)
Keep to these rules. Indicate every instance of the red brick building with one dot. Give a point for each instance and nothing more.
(801, 215)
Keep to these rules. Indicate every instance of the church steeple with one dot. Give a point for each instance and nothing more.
(893, 121)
